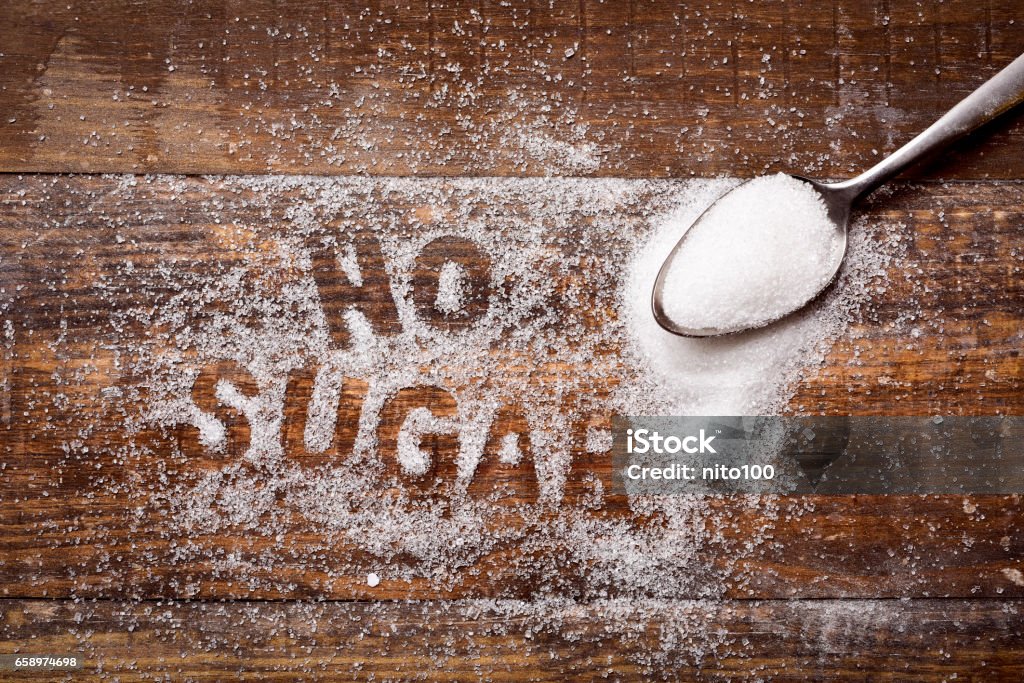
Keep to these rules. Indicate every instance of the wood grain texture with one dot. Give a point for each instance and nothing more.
(106, 529)
(919, 640)
(640, 89)
(86, 512)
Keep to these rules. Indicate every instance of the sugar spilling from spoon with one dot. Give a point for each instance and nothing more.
(759, 253)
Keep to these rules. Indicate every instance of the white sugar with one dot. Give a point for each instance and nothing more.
(598, 440)
(566, 339)
(450, 288)
(509, 452)
(760, 252)
(748, 373)
(419, 422)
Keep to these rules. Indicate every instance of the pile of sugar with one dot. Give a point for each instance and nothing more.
(759, 253)
(748, 373)
(567, 334)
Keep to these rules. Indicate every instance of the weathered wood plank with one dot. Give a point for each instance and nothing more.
(916, 640)
(118, 292)
(810, 547)
(114, 293)
(640, 89)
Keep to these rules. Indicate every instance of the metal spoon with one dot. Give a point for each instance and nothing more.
(996, 96)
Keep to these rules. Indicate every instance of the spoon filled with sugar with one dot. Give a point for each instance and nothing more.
(771, 245)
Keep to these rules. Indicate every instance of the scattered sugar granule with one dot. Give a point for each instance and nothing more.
(759, 253)
(372, 580)
(566, 314)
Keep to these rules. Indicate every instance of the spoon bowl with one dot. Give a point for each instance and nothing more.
(995, 97)
(838, 202)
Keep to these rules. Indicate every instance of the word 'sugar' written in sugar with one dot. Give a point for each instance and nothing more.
(372, 394)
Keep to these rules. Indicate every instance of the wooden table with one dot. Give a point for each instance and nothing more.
(94, 556)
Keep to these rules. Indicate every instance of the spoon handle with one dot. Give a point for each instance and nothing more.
(996, 96)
